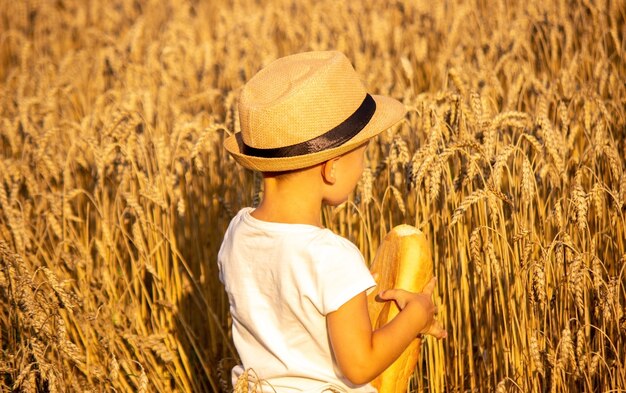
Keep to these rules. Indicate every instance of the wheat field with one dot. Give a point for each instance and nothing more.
(115, 190)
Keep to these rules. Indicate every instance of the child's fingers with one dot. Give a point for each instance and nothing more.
(389, 294)
(430, 287)
(436, 330)
(397, 295)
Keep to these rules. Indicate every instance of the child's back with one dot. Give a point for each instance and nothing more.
(282, 280)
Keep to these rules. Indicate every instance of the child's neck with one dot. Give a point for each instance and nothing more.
(291, 202)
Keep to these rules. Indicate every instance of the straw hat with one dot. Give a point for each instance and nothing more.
(304, 109)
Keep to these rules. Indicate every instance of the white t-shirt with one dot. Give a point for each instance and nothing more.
(282, 280)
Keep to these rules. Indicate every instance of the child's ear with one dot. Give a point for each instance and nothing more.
(328, 171)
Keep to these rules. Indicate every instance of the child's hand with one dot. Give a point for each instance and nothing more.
(420, 305)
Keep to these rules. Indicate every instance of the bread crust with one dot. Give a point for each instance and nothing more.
(403, 260)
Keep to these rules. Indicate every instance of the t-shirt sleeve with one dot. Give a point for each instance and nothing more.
(339, 274)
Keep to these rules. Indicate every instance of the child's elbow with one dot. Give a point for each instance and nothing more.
(359, 380)
(358, 375)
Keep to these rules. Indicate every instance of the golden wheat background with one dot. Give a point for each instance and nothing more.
(115, 190)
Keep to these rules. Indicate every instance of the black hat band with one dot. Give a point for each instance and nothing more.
(337, 136)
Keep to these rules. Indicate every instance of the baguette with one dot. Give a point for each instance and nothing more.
(403, 261)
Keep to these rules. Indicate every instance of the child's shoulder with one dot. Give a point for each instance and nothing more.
(331, 245)
(237, 219)
(317, 240)
(333, 239)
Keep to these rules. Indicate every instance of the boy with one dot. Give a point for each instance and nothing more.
(297, 291)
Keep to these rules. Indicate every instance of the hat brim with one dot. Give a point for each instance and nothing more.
(389, 111)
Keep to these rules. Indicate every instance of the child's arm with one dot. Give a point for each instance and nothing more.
(361, 353)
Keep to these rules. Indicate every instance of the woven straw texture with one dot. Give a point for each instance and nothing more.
(299, 97)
